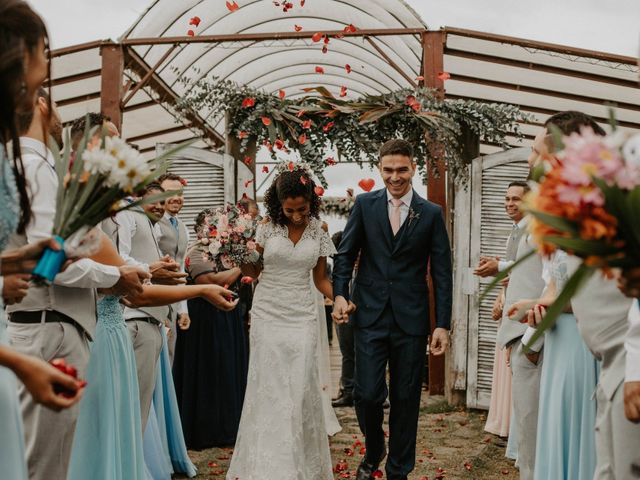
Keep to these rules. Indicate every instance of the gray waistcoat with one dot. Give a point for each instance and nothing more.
(525, 282)
(601, 311)
(77, 303)
(172, 242)
(145, 249)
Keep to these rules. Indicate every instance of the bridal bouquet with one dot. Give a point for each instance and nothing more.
(92, 186)
(588, 204)
(228, 233)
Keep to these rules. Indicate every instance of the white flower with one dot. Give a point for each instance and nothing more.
(214, 247)
(631, 151)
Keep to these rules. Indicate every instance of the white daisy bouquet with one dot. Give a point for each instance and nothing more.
(92, 186)
(228, 235)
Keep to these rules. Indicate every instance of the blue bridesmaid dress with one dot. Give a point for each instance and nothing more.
(12, 452)
(164, 443)
(565, 445)
(108, 440)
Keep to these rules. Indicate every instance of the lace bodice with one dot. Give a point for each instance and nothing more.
(10, 214)
(556, 269)
(289, 264)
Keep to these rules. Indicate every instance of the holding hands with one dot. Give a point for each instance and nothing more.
(487, 267)
(342, 310)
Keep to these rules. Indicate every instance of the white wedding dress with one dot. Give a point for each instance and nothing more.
(282, 431)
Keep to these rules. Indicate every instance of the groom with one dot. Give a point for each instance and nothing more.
(400, 237)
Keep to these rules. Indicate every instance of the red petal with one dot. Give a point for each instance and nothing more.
(325, 49)
(246, 280)
(331, 161)
(195, 21)
(326, 40)
(343, 91)
(297, 28)
(347, 67)
(328, 127)
(266, 121)
(232, 6)
(279, 144)
(306, 124)
(246, 184)
(247, 161)
(281, 94)
(320, 192)
(410, 100)
(317, 36)
(300, 113)
(302, 3)
(416, 107)
(303, 180)
(420, 78)
(248, 102)
(377, 474)
(191, 33)
(242, 135)
(291, 166)
(319, 70)
(444, 76)
(302, 138)
(265, 169)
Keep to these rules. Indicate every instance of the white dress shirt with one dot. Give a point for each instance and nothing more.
(632, 345)
(39, 170)
(404, 208)
(126, 230)
(504, 264)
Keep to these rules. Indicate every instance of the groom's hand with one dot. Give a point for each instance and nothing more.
(341, 310)
(439, 341)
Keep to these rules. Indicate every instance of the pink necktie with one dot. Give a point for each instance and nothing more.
(394, 217)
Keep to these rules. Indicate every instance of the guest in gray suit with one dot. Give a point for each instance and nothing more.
(173, 240)
(55, 321)
(135, 236)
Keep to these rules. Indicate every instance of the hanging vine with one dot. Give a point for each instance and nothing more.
(355, 128)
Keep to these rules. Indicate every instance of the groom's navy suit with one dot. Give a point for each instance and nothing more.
(391, 323)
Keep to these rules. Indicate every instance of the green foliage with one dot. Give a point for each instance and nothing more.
(356, 128)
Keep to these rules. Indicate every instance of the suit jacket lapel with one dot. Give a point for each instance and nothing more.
(410, 223)
(383, 217)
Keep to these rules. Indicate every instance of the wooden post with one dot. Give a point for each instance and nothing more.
(111, 82)
(432, 66)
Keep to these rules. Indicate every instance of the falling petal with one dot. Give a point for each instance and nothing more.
(266, 121)
(444, 76)
(232, 6)
(297, 28)
(281, 94)
(265, 169)
(195, 21)
(191, 33)
(319, 70)
(367, 184)
(347, 67)
(316, 37)
(246, 185)
(343, 91)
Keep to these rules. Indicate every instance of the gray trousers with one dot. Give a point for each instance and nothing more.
(525, 393)
(617, 439)
(147, 343)
(49, 434)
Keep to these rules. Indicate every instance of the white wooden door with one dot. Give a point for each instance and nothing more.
(482, 228)
(210, 180)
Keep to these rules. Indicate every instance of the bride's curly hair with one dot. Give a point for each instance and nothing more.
(291, 185)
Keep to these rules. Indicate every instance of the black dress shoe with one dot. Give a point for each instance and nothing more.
(365, 469)
(344, 400)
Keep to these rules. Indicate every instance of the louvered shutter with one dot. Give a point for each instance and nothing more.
(490, 228)
(207, 181)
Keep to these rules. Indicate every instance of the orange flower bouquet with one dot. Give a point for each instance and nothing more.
(587, 203)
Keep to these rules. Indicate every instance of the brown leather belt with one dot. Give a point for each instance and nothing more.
(36, 317)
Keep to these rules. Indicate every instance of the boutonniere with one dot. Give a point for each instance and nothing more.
(413, 215)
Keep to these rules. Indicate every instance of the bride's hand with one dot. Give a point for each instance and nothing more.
(220, 297)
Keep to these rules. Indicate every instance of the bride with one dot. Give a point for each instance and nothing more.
(282, 430)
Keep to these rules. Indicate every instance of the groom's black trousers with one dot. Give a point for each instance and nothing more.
(377, 344)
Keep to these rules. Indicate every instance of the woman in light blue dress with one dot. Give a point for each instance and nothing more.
(23, 68)
(164, 443)
(565, 445)
(108, 440)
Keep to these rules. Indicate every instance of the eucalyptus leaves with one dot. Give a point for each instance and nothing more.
(356, 128)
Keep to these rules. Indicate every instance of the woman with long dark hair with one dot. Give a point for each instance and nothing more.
(23, 68)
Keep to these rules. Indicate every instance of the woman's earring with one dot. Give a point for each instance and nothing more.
(23, 88)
